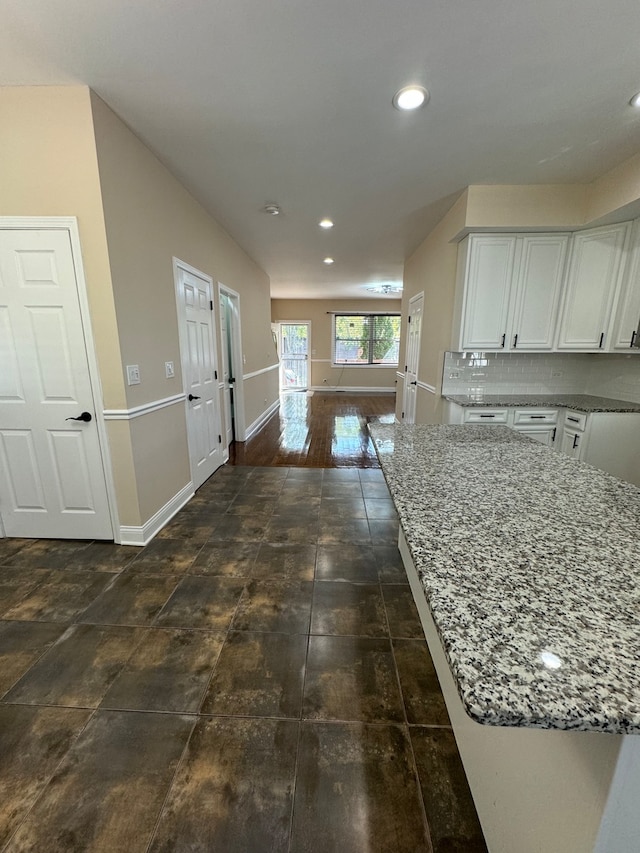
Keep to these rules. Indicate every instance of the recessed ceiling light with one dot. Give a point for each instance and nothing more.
(328, 260)
(272, 209)
(325, 223)
(410, 98)
(635, 101)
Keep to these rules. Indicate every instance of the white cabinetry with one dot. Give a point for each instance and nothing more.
(510, 291)
(625, 327)
(592, 283)
(539, 424)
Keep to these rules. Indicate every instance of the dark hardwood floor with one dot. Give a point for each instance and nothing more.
(317, 431)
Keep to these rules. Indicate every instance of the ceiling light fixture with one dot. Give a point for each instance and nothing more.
(272, 209)
(410, 98)
(325, 223)
(635, 101)
(328, 260)
(385, 288)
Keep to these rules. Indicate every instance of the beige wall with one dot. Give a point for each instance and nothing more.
(552, 207)
(316, 311)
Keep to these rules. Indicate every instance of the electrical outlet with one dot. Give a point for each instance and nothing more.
(557, 373)
(133, 374)
(168, 370)
(454, 374)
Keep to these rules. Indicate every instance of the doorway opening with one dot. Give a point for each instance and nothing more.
(232, 365)
(294, 356)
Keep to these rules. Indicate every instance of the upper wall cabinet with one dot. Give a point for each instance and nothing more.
(625, 329)
(509, 290)
(591, 289)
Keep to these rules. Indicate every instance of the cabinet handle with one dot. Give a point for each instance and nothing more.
(575, 441)
(537, 416)
(573, 420)
(487, 416)
(515, 341)
(504, 338)
(633, 338)
(601, 340)
(553, 434)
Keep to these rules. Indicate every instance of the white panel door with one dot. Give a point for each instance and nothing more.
(199, 372)
(52, 481)
(538, 288)
(414, 330)
(487, 291)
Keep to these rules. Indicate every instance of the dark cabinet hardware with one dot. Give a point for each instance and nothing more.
(575, 441)
(553, 434)
(231, 380)
(515, 341)
(85, 416)
(601, 340)
(191, 397)
(487, 416)
(215, 374)
(504, 338)
(573, 420)
(536, 416)
(634, 334)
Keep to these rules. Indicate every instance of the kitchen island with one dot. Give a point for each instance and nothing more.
(523, 566)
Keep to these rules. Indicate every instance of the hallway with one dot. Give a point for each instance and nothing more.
(255, 679)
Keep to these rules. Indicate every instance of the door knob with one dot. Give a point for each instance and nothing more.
(191, 397)
(85, 416)
(414, 382)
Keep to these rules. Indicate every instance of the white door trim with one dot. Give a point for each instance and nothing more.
(70, 224)
(238, 392)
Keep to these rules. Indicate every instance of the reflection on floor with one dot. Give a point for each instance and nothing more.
(318, 430)
(255, 679)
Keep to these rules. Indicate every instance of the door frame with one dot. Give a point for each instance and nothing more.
(236, 340)
(306, 323)
(183, 343)
(414, 299)
(70, 225)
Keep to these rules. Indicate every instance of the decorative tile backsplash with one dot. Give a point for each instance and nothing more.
(478, 373)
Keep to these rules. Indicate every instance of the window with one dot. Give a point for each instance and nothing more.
(366, 339)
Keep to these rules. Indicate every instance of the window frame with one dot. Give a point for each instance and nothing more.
(368, 364)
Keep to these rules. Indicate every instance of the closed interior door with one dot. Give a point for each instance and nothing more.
(52, 480)
(414, 331)
(294, 356)
(200, 375)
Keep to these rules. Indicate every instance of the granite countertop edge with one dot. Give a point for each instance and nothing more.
(587, 403)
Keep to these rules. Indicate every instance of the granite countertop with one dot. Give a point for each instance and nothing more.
(579, 402)
(529, 564)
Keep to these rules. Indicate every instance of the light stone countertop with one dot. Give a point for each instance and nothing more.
(578, 402)
(529, 562)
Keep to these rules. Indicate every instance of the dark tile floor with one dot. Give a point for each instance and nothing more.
(255, 679)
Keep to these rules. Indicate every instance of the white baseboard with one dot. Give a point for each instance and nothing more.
(143, 535)
(261, 420)
(354, 389)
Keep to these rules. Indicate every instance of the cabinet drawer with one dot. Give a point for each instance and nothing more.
(485, 416)
(575, 420)
(535, 417)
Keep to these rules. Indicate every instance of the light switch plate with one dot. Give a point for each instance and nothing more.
(133, 374)
(168, 369)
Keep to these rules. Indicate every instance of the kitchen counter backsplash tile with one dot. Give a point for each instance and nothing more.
(528, 560)
(578, 402)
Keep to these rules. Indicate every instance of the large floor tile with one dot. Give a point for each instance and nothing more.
(333, 508)
(356, 792)
(423, 699)
(77, 670)
(384, 531)
(233, 791)
(130, 599)
(293, 527)
(345, 530)
(202, 602)
(16, 584)
(351, 678)
(165, 557)
(60, 597)
(283, 561)
(275, 605)
(32, 743)
(378, 508)
(252, 506)
(102, 557)
(451, 814)
(347, 608)
(389, 564)
(402, 612)
(191, 527)
(46, 553)
(108, 792)
(242, 528)
(9, 546)
(258, 675)
(21, 644)
(225, 559)
(168, 671)
(346, 562)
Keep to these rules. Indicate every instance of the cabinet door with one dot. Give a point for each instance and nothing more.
(594, 275)
(545, 435)
(488, 283)
(571, 441)
(625, 328)
(537, 292)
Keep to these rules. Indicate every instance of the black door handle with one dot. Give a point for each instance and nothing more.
(415, 382)
(85, 416)
(191, 397)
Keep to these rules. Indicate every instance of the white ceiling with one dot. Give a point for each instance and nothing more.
(289, 101)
